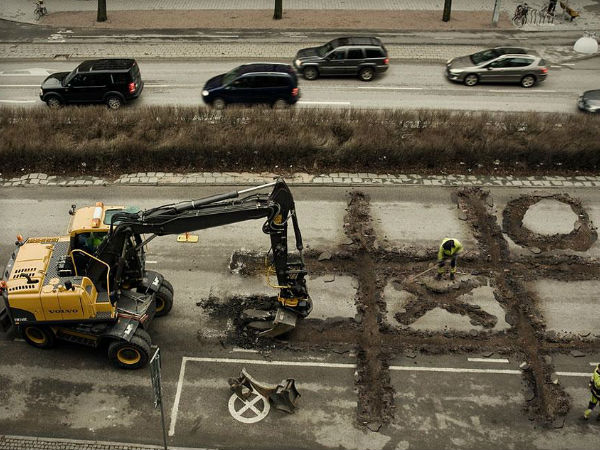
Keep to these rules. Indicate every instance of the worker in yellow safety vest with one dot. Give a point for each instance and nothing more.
(449, 250)
(595, 391)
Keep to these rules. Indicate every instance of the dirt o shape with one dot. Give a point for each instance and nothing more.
(581, 237)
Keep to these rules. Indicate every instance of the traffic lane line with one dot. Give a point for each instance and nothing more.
(185, 359)
(489, 360)
(303, 102)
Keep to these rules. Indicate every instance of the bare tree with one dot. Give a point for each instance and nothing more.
(101, 17)
(278, 14)
(447, 10)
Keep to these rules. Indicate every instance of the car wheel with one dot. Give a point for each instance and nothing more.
(528, 81)
(366, 74)
(53, 102)
(471, 80)
(219, 103)
(311, 73)
(114, 102)
(280, 104)
(39, 336)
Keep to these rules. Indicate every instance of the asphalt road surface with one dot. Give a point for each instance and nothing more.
(406, 85)
(449, 400)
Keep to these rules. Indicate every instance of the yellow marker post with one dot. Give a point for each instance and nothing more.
(187, 237)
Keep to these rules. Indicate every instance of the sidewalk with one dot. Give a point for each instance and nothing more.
(298, 14)
(326, 179)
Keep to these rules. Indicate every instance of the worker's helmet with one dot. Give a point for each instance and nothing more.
(448, 244)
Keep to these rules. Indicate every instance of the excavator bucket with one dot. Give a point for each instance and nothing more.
(269, 326)
(284, 321)
(282, 396)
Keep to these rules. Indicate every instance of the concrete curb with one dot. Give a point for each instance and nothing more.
(9, 442)
(344, 179)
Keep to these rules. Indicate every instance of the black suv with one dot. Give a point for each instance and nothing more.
(359, 56)
(110, 81)
(259, 83)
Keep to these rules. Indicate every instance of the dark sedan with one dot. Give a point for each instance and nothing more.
(498, 65)
(590, 101)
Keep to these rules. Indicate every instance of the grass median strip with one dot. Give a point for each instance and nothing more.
(94, 140)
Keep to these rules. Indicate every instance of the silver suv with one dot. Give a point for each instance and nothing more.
(500, 64)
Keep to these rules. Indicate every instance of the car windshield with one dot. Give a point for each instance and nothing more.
(484, 56)
(69, 77)
(324, 49)
(230, 76)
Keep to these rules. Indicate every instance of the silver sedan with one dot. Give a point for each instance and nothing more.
(498, 65)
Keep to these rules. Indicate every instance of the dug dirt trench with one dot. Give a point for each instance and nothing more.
(376, 342)
(550, 400)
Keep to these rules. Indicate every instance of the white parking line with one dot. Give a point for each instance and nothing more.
(17, 101)
(175, 409)
(301, 102)
(151, 262)
(594, 364)
(491, 360)
(243, 350)
(185, 359)
(18, 85)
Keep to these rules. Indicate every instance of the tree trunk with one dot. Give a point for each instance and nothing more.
(101, 17)
(278, 13)
(447, 9)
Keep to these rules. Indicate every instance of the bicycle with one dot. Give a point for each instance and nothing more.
(520, 17)
(40, 9)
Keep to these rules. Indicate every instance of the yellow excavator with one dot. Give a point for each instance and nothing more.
(92, 286)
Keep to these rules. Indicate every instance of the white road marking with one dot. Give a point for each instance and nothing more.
(261, 362)
(175, 409)
(492, 360)
(36, 71)
(393, 88)
(18, 85)
(243, 350)
(17, 101)
(151, 262)
(594, 364)
(237, 414)
(18, 340)
(568, 64)
(573, 374)
(455, 370)
(173, 85)
(322, 103)
(513, 91)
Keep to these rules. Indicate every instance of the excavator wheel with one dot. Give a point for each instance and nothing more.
(129, 355)
(168, 285)
(39, 336)
(140, 332)
(164, 301)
